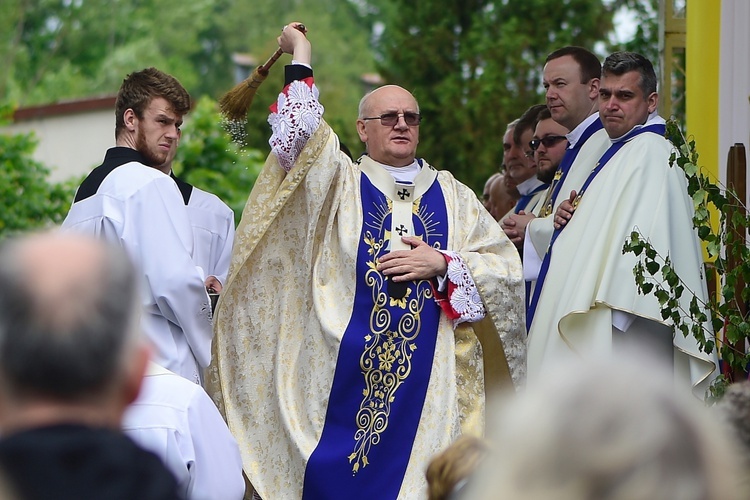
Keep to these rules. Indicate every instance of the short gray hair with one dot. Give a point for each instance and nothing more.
(75, 345)
(619, 63)
(363, 101)
(605, 430)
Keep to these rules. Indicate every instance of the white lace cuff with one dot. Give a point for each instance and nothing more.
(298, 114)
(463, 296)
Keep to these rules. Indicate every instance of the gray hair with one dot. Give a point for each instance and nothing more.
(366, 97)
(619, 63)
(607, 430)
(734, 412)
(74, 342)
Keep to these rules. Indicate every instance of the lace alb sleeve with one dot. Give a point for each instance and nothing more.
(296, 116)
(460, 298)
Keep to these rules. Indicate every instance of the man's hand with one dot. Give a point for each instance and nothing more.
(515, 227)
(565, 211)
(422, 262)
(293, 41)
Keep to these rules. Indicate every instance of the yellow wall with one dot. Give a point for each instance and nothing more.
(702, 82)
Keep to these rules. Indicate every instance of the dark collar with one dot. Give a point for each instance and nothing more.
(114, 158)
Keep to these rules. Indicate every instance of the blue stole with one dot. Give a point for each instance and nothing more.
(383, 366)
(525, 199)
(613, 149)
(565, 164)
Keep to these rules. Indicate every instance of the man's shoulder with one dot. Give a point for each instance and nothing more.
(34, 461)
(596, 144)
(209, 201)
(653, 149)
(166, 388)
(131, 178)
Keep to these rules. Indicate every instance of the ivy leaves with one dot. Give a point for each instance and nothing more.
(724, 243)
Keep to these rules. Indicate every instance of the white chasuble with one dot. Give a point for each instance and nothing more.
(589, 277)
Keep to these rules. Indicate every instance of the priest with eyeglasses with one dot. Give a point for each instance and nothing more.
(370, 306)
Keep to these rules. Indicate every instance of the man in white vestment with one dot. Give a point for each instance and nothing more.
(127, 201)
(586, 301)
(176, 420)
(571, 79)
(548, 145)
(369, 307)
(530, 188)
(213, 228)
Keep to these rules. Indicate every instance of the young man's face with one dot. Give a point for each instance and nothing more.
(548, 157)
(157, 132)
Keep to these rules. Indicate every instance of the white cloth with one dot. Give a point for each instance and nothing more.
(575, 135)
(589, 277)
(177, 421)
(140, 208)
(534, 205)
(539, 231)
(529, 185)
(213, 233)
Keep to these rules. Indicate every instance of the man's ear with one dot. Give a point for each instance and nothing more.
(653, 102)
(594, 88)
(130, 119)
(361, 131)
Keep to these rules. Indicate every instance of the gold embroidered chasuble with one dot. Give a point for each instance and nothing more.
(289, 298)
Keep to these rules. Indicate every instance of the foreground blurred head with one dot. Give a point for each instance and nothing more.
(68, 323)
(607, 430)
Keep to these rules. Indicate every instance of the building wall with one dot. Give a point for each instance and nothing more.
(72, 137)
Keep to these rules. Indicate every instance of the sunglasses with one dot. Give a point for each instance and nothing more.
(391, 119)
(548, 141)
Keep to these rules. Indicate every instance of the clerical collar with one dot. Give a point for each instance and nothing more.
(529, 185)
(405, 174)
(653, 119)
(575, 135)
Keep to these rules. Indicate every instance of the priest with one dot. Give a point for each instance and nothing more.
(370, 305)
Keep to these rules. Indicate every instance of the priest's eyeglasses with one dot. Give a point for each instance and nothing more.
(391, 119)
(548, 141)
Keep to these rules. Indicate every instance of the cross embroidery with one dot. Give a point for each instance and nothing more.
(401, 230)
(403, 194)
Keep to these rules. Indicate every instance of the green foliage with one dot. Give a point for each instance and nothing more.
(725, 245)
(645, 40)
(56, 51)
(207, 158)
(61, 50)
(476, 65)
(340, 36)
(27, 200)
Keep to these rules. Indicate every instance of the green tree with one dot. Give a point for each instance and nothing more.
(27, 200)
(475, 65)
(64, 50)
(207, 158)
(342, 54)
(61, 50)
(645, 39)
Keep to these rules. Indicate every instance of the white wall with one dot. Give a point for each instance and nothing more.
(734, 79)
(69, 144)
